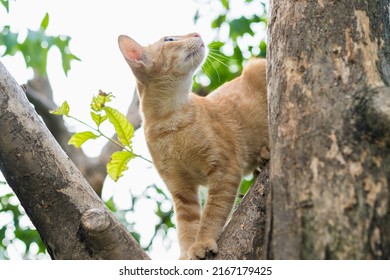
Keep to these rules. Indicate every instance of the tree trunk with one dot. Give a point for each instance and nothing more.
(71, 219)
(328, 78)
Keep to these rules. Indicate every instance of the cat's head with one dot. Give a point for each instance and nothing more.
(170, 57)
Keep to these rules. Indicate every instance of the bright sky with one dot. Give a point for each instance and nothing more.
(94, 27)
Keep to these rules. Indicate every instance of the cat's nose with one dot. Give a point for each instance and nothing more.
(195, 34)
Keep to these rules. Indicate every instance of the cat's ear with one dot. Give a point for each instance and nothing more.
(134, 54)
(131, 50)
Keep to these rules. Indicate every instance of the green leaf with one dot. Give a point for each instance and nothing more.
(124, 129)
(118, 164)
(218, 21)
(5, 4)
(63, 110)
(238, 54)
(80, 138)
(45, 22)
(136, 236)
(9, 40)
(225, 3)
(245, 186)
(263, 48)
(62, 43)
(257, 18)
(66, 59)
(111, 205)
(216, 45)
(98, 118)
(99, 101)
(36, 46)
(240, 26)
(35, 49)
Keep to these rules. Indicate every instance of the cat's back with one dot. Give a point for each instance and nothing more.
(249, 86)
(241, 107)
(246, 93)
(254, 76)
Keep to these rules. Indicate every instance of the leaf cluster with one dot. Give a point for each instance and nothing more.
(36, 46)
(16, 230)
(228, 54)
(164, 214)
(100, 113)
(5, 3)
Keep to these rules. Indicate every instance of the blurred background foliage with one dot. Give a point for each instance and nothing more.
(237, 38)
(35, 47)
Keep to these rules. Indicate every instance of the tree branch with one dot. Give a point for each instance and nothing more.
(245, 236)
(51, 189)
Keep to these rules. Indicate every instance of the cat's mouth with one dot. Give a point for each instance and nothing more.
(195, 52)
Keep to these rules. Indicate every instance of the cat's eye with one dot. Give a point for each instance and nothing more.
(169, 39)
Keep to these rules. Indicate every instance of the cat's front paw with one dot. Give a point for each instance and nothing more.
(199, 249)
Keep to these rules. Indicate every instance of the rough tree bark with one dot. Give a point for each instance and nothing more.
(328, 80)
(71, 219)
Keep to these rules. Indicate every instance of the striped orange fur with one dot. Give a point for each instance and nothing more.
(211, 141)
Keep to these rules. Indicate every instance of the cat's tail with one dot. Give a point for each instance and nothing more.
(254, 74)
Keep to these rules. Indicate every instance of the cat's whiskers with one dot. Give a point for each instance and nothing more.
(218, 59)
(218, 53)
(214, 55)
(208, 62)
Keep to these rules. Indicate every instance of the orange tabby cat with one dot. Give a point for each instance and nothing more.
(195, 140)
